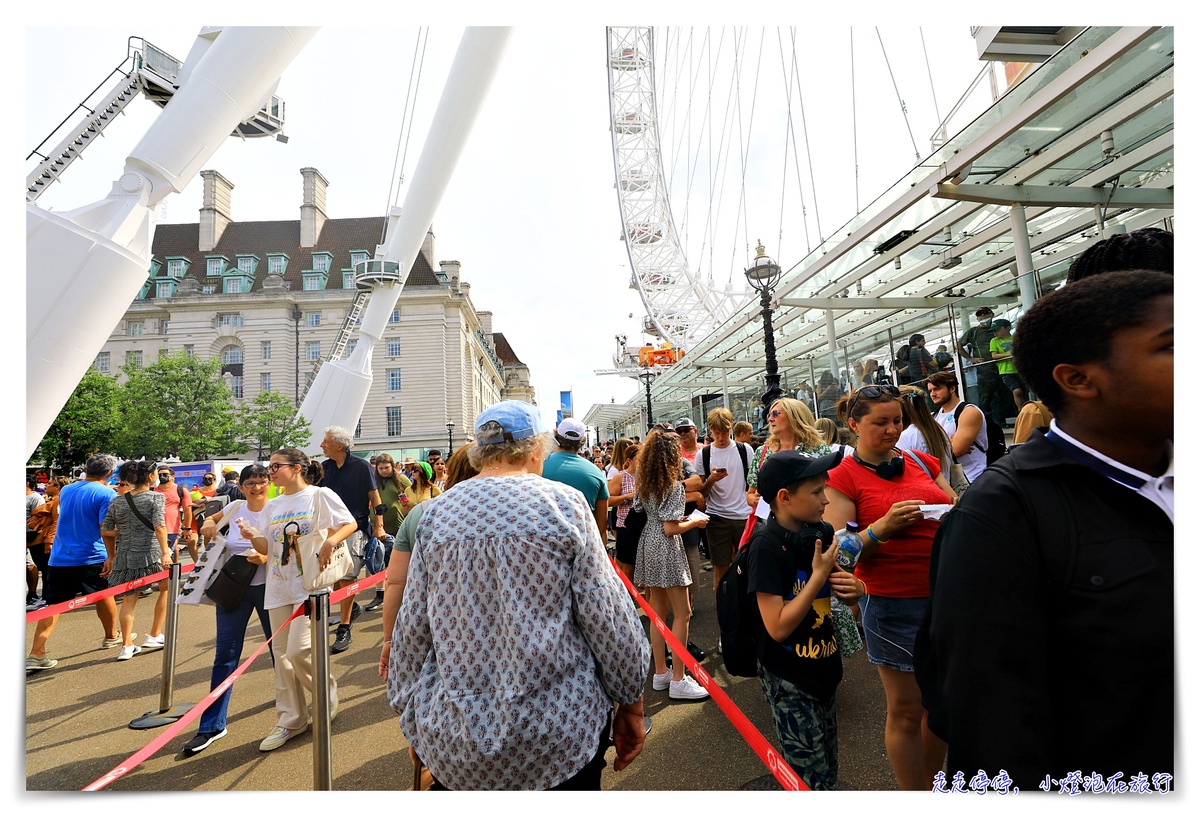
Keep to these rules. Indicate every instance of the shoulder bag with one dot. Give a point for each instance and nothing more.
(308, 547)
(199, 581)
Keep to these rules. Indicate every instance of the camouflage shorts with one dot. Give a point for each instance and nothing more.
(807, 728)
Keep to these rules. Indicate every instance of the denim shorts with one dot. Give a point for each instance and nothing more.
(890, 626)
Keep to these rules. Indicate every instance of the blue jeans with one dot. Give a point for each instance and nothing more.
(231, 633)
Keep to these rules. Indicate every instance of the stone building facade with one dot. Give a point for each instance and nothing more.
(269, 299)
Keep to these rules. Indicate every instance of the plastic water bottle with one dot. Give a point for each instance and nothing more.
(849, 546)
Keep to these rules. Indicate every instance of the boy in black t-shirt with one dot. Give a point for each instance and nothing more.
(792, 572)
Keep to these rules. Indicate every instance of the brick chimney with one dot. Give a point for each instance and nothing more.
(312, 211)
(214, 209)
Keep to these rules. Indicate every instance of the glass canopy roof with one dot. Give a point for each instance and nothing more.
(1046, 142)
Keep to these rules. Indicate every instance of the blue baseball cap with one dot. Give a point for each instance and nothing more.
(518, 421)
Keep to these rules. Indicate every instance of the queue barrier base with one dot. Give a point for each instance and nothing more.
(153, 720)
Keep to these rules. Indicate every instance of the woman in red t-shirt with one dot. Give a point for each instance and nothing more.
(883, 489)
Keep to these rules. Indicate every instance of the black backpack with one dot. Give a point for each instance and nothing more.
(738, 618)
(996, 447)
(706, 460)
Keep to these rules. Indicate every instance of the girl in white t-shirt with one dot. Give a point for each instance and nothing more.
(301, 503)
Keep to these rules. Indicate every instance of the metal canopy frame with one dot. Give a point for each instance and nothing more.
(1037, 156)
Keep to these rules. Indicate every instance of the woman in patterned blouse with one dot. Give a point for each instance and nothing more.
(515, 635)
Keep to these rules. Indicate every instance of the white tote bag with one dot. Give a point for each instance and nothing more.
(308, 548)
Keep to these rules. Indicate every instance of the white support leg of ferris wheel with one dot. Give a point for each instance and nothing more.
(339, 391)
(84, 267)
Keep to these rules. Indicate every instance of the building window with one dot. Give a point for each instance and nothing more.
(233, 286)
(103, 361)
(214, 267)
(208, 289)
(358, 429)
(266, 350)
(351, 345)
(164, 289)
(393, 380)
(264, 382)
(395, 425)
(312, 282)
(357, 258)
(275, 264)
(320, 263)
(189, 349)
(312, 319)
(236, 385)
(133, 358)
(230, 319)
(395, 316)
(347, 280)
(393, 348)
(136, 329)
(246, 265)
(163, 325)
(313, 350)
(232, 354)
(175, 268)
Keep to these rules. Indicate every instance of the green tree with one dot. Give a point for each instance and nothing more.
(270, 422)
(178, 406)
(87, 423)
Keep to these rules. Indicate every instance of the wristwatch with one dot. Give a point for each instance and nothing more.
(380, 509)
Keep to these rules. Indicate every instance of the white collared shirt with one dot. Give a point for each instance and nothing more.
(1159, 490)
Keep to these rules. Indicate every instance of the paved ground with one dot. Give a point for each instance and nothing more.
(77, 716)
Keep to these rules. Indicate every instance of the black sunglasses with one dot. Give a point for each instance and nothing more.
(871, 392)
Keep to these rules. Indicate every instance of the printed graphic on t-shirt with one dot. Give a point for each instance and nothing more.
(803, 641)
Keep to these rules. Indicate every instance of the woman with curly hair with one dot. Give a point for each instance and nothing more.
(661, 562)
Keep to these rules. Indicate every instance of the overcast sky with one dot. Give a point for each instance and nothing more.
(531, 212)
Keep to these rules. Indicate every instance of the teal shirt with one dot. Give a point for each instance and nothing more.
(582, 475)
(407, 534)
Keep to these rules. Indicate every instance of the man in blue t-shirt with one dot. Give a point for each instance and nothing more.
(79, 561)
(566, 466)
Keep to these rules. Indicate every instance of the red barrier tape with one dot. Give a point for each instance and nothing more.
(84, 601)
(133, 761)
(774, 762)
(356, 587)
(136, 759)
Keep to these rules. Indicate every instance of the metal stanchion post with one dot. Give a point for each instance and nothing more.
(318, 618)
(166, 713)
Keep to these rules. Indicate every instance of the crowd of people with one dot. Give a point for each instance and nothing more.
(989, 592)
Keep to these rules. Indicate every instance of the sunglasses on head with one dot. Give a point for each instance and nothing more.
(871, 392)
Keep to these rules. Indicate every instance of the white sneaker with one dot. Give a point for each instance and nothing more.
(277, 737)
(155, 642)
(128, 652)
(687, 689)
(661, 682)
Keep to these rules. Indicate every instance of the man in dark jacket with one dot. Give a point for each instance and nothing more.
(1048, 652)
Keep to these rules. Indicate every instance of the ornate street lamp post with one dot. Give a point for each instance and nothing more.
(764, 275)
(449, 439)
(647, 375)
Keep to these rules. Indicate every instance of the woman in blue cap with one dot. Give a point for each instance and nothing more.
(515, 627)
